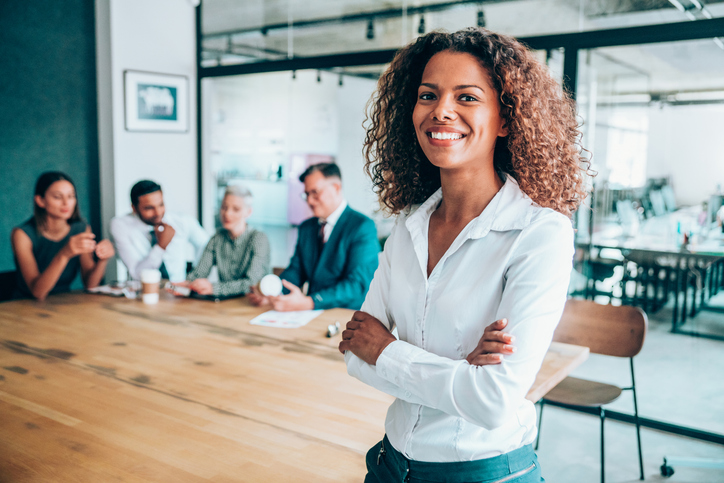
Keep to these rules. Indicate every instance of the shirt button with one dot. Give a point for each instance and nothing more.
(408, 394)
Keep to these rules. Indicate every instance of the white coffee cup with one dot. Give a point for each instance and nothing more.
(150, 285)
(271, 285)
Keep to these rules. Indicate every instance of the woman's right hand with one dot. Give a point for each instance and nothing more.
(493, 345)
(81, 243)
(104, 250)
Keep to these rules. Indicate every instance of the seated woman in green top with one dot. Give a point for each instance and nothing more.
(55, 244)
(241, 253)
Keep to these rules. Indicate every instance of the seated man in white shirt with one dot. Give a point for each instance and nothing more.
(151, 238)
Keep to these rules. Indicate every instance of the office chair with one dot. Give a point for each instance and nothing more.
(8, 283)
(617, 331)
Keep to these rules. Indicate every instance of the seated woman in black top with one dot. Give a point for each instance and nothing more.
(52, 246)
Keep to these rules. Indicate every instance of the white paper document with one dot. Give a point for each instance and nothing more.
(287, 320)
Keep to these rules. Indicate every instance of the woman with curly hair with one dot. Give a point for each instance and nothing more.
(474, 146)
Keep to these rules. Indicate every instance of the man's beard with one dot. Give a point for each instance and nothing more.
(149, 221)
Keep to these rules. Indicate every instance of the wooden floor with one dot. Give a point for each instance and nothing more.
(99, 389)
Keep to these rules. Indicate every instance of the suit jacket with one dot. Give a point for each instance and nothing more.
(340, 275)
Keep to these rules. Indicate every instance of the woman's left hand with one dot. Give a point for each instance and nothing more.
(104, 250)
(493, 345)
(366, 337)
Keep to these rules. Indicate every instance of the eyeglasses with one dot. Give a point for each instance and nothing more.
(315, 194)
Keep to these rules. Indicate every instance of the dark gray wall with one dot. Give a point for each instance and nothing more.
(48, 118)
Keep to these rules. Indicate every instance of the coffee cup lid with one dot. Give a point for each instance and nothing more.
(150, 275)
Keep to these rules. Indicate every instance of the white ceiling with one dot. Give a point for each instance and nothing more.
(226, 15)
(693, 65)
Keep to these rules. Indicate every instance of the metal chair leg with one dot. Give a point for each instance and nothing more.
(602, 413)
(636, 418)
(677, 287)
(641, 458)
(540, 420)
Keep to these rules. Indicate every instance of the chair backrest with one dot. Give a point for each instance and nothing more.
(669, 197)
(8, 283)
(658, 205)
(626, 212)
(605, 329)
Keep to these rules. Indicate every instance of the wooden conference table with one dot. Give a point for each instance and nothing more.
(95, 388)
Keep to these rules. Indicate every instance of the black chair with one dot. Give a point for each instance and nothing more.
(596, 267)
(8, 283)
(649, 278)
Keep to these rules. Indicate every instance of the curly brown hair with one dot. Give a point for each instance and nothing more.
(541, 152)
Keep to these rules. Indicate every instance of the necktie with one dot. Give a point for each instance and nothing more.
(320, 236)
(162, 268)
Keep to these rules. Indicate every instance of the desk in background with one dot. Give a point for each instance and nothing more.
(665, 267)
(95, 388)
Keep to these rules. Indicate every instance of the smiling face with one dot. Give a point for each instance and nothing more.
(457, 115)
(59, 200)
(233, 212)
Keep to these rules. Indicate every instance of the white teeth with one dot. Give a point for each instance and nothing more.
(445, 135)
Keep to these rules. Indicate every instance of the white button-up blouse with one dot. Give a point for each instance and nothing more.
(513, 261)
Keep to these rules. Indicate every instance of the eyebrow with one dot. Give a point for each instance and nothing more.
(457, 88)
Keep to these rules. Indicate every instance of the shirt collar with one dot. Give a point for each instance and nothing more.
(510, 209)
(332, 219)
(515, 209)
(239, 239)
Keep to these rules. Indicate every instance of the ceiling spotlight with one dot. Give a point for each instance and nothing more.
(319, 76)
(340, 80)
(481, 18)
(370, 29)
(421, 27)
(294, 74)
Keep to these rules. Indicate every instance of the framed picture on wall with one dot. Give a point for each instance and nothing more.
(156, 102)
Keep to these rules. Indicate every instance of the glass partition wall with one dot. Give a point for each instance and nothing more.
(263, 130)
(652, 115)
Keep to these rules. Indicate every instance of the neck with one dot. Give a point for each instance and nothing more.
(55, 226)
(336, 207)
(466, 193)
(238, 230)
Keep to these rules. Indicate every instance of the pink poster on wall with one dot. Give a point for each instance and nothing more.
(297, 209)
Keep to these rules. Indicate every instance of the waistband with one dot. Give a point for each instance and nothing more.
(462, 471)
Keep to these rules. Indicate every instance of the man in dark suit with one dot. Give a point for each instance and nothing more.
(336, 250)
